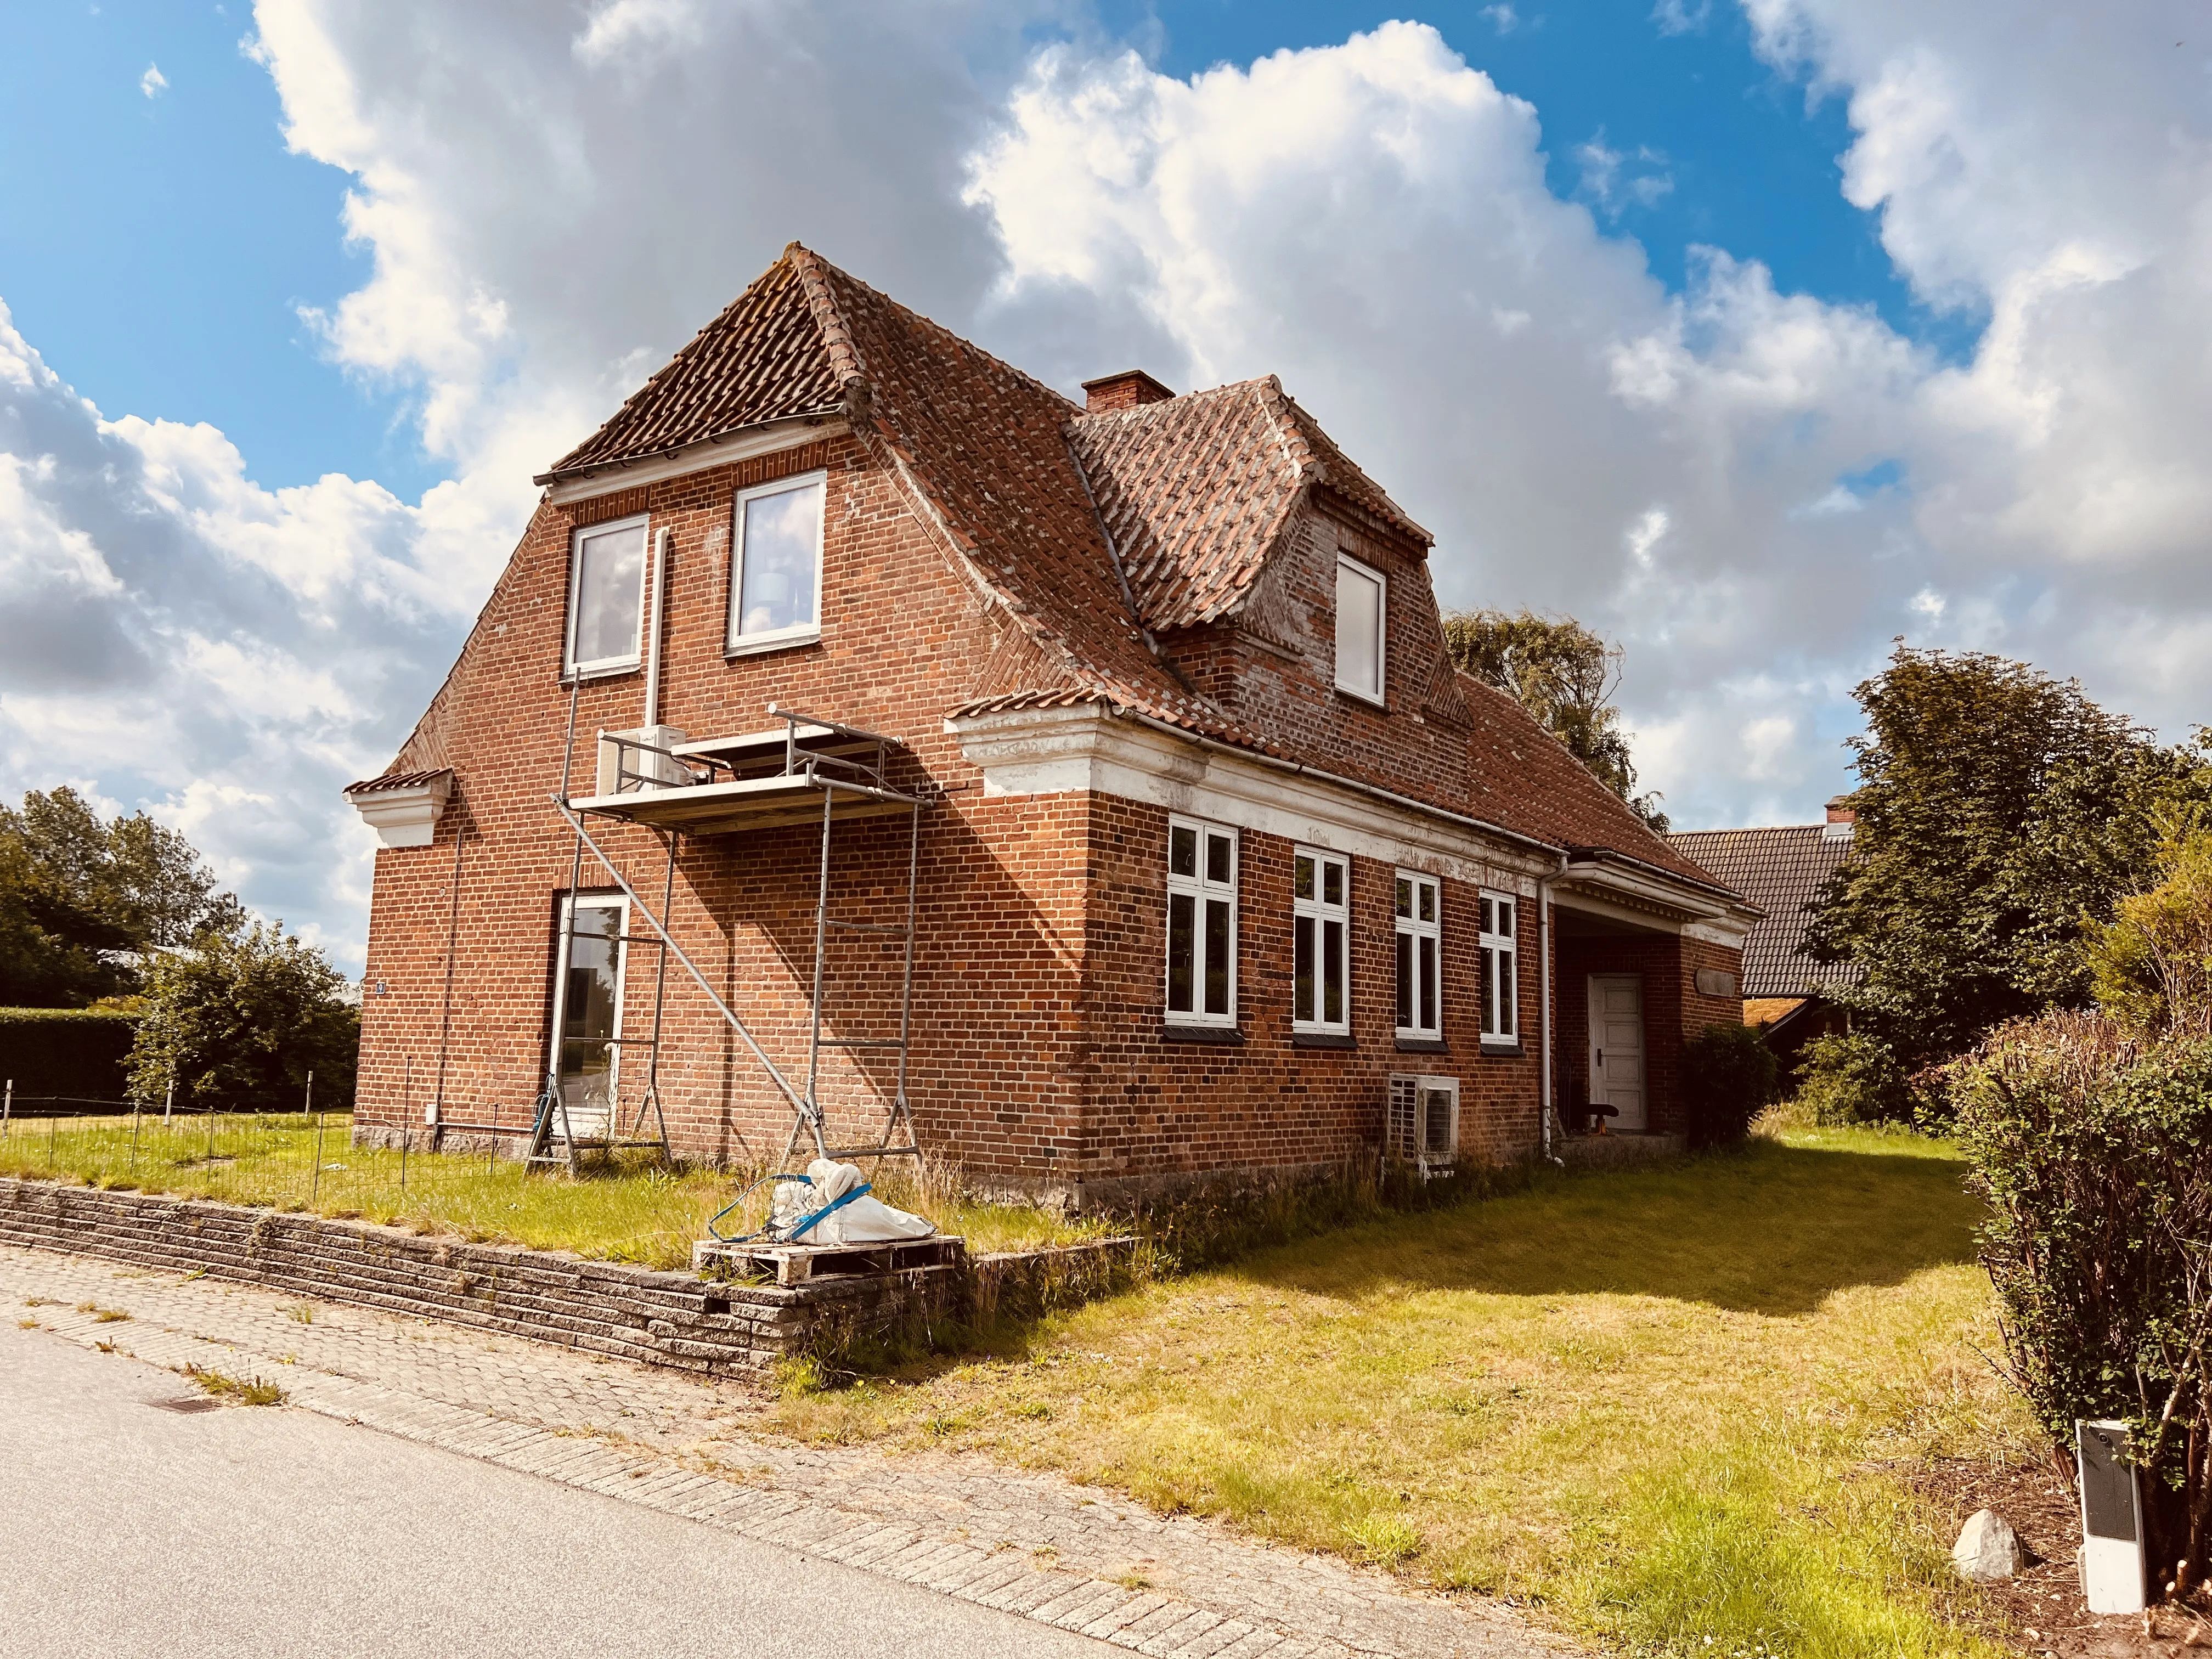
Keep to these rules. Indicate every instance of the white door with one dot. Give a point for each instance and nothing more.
(1616, 1025)
(587, 1018)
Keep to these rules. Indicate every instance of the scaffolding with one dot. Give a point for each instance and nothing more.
(807, 769)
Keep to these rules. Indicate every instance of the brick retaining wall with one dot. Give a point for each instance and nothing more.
(603, 1307)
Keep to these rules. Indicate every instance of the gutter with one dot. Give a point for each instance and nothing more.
(1607, 855)
(1545, 1106)
(563, 475)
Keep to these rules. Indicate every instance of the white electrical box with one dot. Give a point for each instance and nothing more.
(2112, 1519)
(1421, 1123)
(623, 768)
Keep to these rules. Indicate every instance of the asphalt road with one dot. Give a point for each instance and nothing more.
(126, 1529)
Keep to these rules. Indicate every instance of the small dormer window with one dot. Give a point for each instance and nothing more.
(775, 568)
(1360, 626)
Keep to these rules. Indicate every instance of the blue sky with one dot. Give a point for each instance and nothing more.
(1783, 328)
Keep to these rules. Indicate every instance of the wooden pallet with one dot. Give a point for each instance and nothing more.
(797, 1264)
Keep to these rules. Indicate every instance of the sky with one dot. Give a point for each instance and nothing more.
(1758, 334)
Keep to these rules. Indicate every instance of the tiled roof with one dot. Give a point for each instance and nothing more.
(397, 781)
(1196, 490)
(1779, 871)
(1523, 778)
(762, 359)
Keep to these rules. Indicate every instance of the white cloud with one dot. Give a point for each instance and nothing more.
(153, 81)
(1502, 18)
(1718, 476)
(1676, 17)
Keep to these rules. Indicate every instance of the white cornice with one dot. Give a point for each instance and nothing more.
(698, 458)
(1032, 751)
(406, 816)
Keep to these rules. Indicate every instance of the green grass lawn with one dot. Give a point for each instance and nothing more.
(1661, 1405)
(629, 1212)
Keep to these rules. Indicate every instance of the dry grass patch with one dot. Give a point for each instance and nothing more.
(1659, 1404)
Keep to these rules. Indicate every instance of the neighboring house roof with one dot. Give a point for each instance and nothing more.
(1196, 490)
(1524, 779)
(1780, 871)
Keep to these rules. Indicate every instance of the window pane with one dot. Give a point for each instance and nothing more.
(1182, 945)
(776, 588)
(1302, 881)
(1332, 972)
(1486, 917)
(1358, 632)
(1428, 899)
(1428, 985)
(1489, 991)
(1505, 994)
(1182, 852)
(1405, 896)
(1505, 918)
(1332, 876)
(587, 1003)
(1302, 968)
(1217, 957)
(1218, 850)
(610, 588)
(1405, 978)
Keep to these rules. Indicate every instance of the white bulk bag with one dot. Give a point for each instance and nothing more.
(863, 1221)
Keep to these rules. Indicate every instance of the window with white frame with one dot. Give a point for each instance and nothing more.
(775, 562)
(1361, 610)
(1420, 955)
(1202, 924)
(1321, 942)
(587, 1012)
(606, 597)
(1500, 922)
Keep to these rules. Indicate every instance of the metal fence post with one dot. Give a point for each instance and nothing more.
(8, 1106)
(308, 1104)
(53, 1135)
(403, 1135)
(136, 1105)
(168, 1099)
(315, 1187)
(211, 1156)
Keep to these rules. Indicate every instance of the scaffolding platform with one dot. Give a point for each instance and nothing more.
(799, 1264)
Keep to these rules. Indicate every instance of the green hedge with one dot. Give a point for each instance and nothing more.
(80, 1052)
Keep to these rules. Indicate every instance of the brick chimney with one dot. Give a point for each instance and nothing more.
(1840, 811)
(1112, 393)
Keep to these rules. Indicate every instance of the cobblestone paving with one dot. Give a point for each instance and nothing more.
(1078, 1559)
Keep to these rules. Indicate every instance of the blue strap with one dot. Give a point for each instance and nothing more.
(827, 1210)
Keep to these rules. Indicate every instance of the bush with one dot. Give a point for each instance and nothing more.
(240, 1022)
(82, 1053)
(1852, 1078)
(2094, 1156)
(1731, 1076)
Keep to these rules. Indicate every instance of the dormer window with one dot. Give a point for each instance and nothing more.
(606, 592)
(775, 564)
(1360, 614)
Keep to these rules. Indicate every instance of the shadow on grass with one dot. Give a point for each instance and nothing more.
(1766, 1229)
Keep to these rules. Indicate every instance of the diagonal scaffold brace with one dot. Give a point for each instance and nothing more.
(806, 1114)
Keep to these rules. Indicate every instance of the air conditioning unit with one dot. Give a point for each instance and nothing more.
(624, 769)
(1420, 1124)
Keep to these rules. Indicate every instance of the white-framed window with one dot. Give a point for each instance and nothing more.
(775, 561)
(1321, 942)
(606, 597)
(1420, 955)
(1362, 613)
(1499, 943)
(587, 1010)
(1201, 923)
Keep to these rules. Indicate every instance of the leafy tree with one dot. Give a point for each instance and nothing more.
(79, 898)
(1998, 810)
(1563, 673)
(239, 1020)
(2151, 966)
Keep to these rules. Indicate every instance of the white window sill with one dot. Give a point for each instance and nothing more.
(602, 670)
(1361, 696)
(759, 644)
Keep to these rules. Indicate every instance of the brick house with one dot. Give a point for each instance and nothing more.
(1208, 841)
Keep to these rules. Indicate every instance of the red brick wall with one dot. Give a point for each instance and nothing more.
(1039, 1062)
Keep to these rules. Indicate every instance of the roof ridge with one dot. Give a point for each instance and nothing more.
(814, 271)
